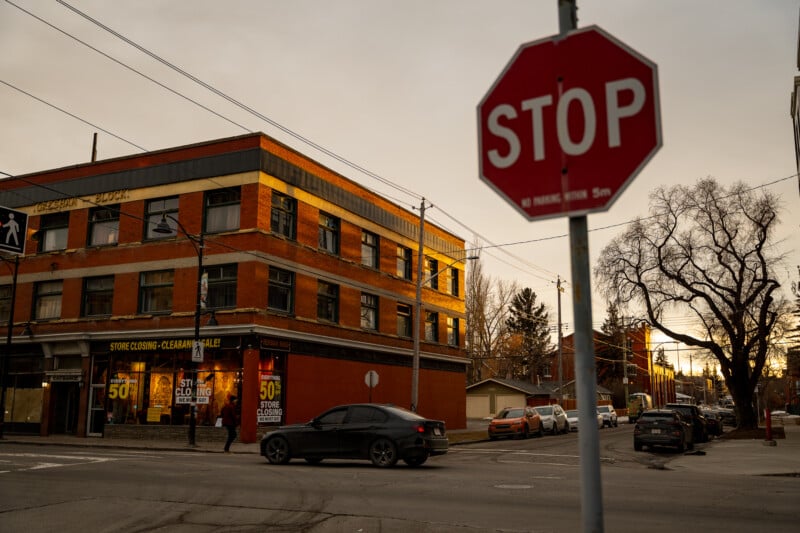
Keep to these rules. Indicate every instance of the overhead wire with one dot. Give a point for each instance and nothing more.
(279, 126)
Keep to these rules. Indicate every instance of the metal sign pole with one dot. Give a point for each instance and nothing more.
(585, 372)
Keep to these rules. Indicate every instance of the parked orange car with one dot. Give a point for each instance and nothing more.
(516, 422)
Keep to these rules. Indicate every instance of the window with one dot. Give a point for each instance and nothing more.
(98, 296)
(452, 331)
(328, 233)
(369, 249)
(403, 320)
(47, 296)
(53, 231)
(452, 281)
(369, 311)
(284, 215)
(5, 303)
(281, 290)
(429, 270)
(104, 225)
(431, 326)
(403, 262)
(221, 286)
(155, 212)
(222, 210)
(156, 291)
(327, 301)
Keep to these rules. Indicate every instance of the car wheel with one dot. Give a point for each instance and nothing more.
(616, 423)
(416, 460)
(313, 460)
(566, 427)
(540, 433)
(637, 446)
(277, 451)
(524, 433)
(383, 452)
(554, 431)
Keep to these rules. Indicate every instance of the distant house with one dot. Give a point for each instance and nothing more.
(488, 397)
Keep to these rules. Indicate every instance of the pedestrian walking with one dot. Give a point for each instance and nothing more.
(230, 420)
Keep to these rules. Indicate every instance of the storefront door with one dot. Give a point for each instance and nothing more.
(65, 398)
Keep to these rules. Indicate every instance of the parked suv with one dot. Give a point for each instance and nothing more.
(609, 415)
(692, 414)
(554, 418)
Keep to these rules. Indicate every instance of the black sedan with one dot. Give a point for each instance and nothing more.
(662, 427)
(382, 434)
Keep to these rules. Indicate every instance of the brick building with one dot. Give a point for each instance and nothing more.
(643, 374)
(308, 282)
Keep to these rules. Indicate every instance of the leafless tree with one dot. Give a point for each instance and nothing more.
(487, 336)
(705, 251)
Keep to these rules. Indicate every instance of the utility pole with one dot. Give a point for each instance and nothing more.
(560, 289)
(418, 310)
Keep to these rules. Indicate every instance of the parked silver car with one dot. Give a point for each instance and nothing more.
(554, 418)
(609, 415)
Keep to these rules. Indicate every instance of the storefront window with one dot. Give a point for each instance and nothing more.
(156, 387)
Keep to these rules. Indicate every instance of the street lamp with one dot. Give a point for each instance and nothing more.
(417, 317)
(164, 228)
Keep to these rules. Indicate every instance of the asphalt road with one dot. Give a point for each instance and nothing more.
(507, 485)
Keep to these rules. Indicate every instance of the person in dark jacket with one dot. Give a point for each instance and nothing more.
(230, 419)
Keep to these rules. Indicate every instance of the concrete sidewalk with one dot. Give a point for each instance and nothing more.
(750, 457)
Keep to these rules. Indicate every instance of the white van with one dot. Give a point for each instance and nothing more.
(638, 402)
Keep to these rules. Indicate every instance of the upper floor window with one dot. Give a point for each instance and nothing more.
(98, 296)
(452, 281)
(47, 300)
(403, 262)
(222, 210)
(221, 286)
(403, 320)
(452, 331)
(157, 210)
(283, 219)
(430, 269)
(280, 292)
(369, 249)
(53, 232)
(327, 301)
(5, 303)
(104, 225)
(431, 326)
(155, 291)
(328, 233)
(369, 311)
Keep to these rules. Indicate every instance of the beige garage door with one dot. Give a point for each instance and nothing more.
(478, 406)
(508, 400)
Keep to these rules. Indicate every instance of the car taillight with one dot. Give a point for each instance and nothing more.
(420, 428)
(676, 429)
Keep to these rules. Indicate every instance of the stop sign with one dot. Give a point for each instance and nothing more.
(569, 123)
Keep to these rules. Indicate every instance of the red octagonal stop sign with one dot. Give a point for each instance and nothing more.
(569, 123)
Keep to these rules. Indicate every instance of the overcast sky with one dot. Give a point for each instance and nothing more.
(392, 87)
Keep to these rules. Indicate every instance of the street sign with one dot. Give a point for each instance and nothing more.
(13, 229)
(198, 349)
(569, 123)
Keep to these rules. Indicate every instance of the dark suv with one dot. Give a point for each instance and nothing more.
(692, 414)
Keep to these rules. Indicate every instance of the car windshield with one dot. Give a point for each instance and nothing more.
(603, 409)
(656, 417)
(572, 413)
(545, 410)
(511, 413)
(403, 413)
